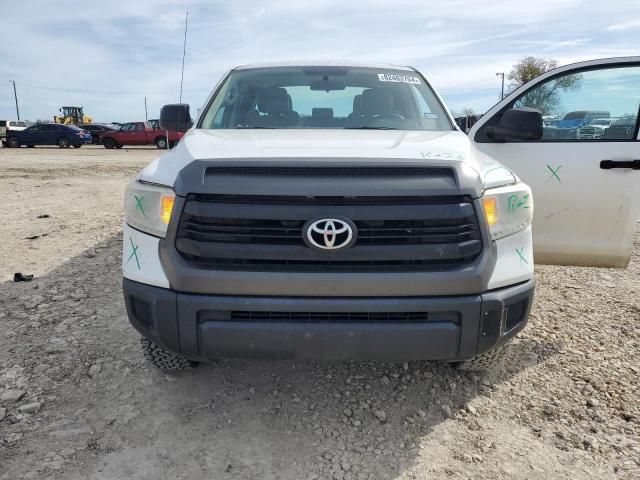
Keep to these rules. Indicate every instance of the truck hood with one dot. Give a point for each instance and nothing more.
(422, 148)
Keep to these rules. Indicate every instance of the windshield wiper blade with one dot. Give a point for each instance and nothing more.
(254, 126)
(367, 127)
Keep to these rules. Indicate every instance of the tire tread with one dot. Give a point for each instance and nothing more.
(485, 361)
(164, 359)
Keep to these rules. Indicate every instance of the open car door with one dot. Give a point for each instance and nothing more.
(585, 170)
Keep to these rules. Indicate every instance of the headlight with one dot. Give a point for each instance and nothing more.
(148, 207)
(507, 210)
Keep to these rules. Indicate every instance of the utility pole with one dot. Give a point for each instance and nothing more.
(184, 52)
(501, 74)
(146, 115)
(15, 95)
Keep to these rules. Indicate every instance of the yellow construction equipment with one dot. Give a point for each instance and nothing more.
(72, 116)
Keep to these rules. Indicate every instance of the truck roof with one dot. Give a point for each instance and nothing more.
(322, 63)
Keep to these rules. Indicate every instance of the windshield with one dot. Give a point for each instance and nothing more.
(325, 97)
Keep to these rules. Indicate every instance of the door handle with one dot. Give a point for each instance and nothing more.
(609, 164)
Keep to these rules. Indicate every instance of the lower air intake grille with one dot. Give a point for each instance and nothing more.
(344, 317)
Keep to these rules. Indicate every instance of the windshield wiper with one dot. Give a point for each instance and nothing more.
(367, 127)
(255, 126)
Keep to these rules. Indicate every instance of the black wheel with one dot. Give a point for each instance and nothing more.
(31, 146)
(77, 146)
(63, 142)
(118, 145)
(161, 143)
(164, 359)
(13, 142)
(485, 361)
(109, 143)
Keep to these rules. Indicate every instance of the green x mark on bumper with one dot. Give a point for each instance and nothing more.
(134, 253)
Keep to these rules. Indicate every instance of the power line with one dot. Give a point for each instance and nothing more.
(465, 85)
(103, 92)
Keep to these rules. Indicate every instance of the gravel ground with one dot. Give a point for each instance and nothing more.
(77, 399)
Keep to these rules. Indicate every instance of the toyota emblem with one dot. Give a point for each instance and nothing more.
(330, 233)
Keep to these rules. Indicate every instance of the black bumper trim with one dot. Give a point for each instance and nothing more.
(201, 327)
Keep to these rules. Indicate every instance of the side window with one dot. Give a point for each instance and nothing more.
(139, 127)
(592, 105)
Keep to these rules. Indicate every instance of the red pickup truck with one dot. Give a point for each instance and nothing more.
(139, 133)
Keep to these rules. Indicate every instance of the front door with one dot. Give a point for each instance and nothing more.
(585, 171)
(30, 135)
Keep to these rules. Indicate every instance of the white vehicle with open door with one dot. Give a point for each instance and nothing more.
(335, 211)
(587, 191)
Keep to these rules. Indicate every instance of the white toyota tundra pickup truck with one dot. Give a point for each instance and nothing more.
(333, 210)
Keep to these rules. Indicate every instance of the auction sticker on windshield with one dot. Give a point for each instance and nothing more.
(394, 77)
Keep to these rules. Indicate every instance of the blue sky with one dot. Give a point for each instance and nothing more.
(106, 56)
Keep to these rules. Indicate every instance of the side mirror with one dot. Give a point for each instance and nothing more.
(175, 117)
(517, 124)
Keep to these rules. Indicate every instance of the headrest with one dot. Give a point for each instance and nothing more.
(376, 101)
(273, 100)
(357, 103)
(324, 113)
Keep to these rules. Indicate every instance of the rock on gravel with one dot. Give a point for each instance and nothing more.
(95, 369)
(380, 415)
(30, 407)
(12, 396)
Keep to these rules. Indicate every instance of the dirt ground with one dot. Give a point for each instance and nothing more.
(77, 399)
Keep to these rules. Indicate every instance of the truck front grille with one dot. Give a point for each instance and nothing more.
(267, 233)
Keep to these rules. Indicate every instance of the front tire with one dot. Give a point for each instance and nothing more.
(13, 142)
(488, 360)
(77, 146)
(63, 142)
(165, 359)
(161, 143)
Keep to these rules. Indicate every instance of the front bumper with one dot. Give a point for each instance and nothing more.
(205, 327)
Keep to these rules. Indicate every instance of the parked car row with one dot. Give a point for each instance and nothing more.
(589, 125)
(64, 136)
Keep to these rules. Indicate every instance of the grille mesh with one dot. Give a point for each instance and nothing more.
(343, 317)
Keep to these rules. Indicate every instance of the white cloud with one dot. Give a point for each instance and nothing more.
(624, 26)
(112, 47)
